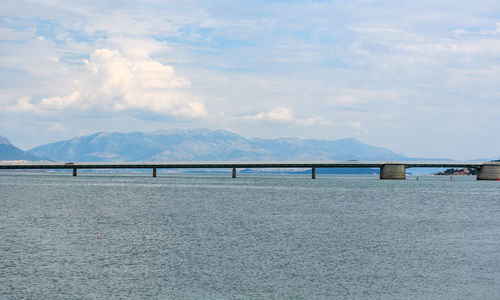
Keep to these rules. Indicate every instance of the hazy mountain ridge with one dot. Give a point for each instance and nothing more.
(4, 141)
(11, 152)
(206, 145)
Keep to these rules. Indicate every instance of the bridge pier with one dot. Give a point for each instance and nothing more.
(74, 171)
(313, 173)
(393, 171)
(154, 172)
(489, 171)
(234, 172)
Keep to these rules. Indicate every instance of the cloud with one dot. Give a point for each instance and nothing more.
(314, 121)
(279, 114)
(352, 124)
(373, 30)
(113, 82)
(352, 97)
(285, 115)
(23, 104)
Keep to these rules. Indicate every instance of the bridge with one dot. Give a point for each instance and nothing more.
(388, 170)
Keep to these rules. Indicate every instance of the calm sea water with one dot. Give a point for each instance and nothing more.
(210, 236)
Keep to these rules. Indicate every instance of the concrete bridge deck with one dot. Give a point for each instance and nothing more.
(240, 165)
(388, 169)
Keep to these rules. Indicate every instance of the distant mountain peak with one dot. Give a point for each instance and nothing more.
(11, 152)
(4, 141)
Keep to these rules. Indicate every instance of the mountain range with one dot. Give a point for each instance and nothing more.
(206, 145)
(11, 152)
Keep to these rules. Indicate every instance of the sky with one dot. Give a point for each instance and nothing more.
(421, 78)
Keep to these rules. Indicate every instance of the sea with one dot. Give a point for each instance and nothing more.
(208, 236)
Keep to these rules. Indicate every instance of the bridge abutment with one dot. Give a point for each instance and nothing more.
(489, 171)
(393, 171)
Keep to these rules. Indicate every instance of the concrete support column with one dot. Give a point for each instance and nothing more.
(489, 171)
(234, 172)
(154, 172)
(74, 171)
(313, 173)
(393, 171)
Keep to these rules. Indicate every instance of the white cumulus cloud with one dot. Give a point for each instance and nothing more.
(286, 115)
(112, 81)
(280, 114)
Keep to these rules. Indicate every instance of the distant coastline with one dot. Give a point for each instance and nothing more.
(457, 172)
